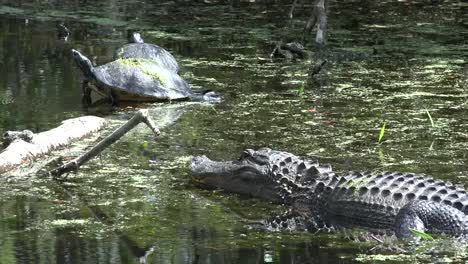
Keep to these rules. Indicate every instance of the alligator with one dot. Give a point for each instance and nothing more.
(320, 199)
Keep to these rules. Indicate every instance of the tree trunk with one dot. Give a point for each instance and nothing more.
(319, 18)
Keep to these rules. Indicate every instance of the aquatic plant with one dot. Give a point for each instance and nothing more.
(301, 89)
(430, 118)
(421, 234)
(382, 131)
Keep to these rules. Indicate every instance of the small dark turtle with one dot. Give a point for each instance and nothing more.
(136, 79)
(316, 68)
(138, 49)
(290, 51)
(10, 136)
(62, 31)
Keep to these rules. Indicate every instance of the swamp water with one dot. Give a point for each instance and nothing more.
(390, 62)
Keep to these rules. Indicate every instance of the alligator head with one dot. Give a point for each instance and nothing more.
(249, 175)
(263, 173)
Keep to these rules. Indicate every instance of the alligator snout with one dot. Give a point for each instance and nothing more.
(198, 166)
(197, 160)
(207, 172)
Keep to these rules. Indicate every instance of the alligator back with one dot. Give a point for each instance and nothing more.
(375, 198)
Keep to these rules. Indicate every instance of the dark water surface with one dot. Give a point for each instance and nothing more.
(388, 62)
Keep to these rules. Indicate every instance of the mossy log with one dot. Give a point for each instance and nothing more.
(21, 152)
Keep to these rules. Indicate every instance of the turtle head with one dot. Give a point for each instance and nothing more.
(62, 31)
(83, 63)
(135, 37)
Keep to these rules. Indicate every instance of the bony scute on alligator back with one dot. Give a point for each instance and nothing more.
(403, 203)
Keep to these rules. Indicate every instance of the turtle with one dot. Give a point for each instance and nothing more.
(62, 31)
(137, 48)
(136, 79)
(290, 51)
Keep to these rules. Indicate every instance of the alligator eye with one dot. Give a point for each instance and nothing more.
(260, 159)
(246, 154)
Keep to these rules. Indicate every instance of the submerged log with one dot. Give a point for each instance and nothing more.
(139, 117)
(22, 152)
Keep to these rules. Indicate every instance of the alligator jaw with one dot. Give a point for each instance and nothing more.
(208, 172)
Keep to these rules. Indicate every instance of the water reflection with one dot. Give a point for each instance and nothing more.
(38, 88)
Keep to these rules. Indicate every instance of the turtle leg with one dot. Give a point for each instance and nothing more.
(86, 97)
(112, 98)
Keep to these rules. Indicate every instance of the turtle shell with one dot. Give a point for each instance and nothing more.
(148, 51)
(139, 79)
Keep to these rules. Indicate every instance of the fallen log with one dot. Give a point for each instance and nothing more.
(21, 152)
(28, 148)
(139, 117)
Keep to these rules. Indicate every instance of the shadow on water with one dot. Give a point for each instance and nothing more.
(388, 61)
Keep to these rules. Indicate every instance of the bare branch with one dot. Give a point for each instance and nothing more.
(291, 11)
(140, 116)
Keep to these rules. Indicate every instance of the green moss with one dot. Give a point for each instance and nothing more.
(144, 66)
(120, 52)
(357, 184)
(400, 258)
